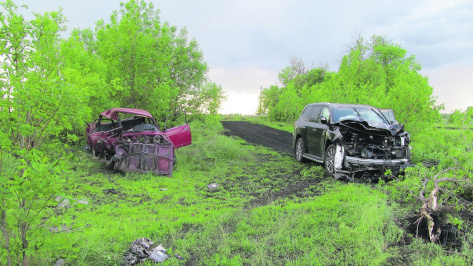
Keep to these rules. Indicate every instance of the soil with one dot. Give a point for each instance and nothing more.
(261, 135)
(290, 183)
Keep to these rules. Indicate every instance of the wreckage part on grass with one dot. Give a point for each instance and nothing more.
(140, 250)
(213, 186)
(158, 254)
(142, 157)
(110, 191)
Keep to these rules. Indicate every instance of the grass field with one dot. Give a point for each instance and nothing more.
(267, 210)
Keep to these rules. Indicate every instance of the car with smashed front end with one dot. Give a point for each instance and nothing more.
(351, 140)
(131, 140)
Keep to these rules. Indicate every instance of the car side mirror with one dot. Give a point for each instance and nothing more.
(394, 122)
(323, 120)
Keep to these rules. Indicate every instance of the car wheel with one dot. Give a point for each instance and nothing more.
(299, 150)
(329, 160)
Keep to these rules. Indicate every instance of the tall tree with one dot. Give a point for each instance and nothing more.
(156, 67)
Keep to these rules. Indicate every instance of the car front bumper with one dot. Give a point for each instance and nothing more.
(369, 164)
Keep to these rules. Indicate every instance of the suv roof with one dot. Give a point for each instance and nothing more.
(340, 104)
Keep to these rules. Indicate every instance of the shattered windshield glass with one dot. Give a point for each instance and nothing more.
(367, 113)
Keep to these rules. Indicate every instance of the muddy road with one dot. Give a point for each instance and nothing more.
(261, 135)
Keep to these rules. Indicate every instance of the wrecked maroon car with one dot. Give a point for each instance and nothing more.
(132, 141)
(351, 139)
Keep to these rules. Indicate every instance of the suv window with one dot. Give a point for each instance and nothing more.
(315, 114)
(326, 113)
(305, 113)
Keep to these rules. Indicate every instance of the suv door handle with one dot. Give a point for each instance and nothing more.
(314, 129)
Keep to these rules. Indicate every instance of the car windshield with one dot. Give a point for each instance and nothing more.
(367, 113)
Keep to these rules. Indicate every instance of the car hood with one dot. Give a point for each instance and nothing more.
(371, 127)
(112, 113)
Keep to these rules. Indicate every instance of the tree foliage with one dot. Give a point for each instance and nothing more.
(377, 73)
(156, 66)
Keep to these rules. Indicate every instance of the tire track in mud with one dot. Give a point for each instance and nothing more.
(291, 183)
(262, 135)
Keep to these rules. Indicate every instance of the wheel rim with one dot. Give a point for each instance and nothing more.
(330, 160)
(299, 149)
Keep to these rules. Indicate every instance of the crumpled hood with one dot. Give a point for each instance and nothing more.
(372, 127)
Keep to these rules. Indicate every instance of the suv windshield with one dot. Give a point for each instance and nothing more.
(367, 113)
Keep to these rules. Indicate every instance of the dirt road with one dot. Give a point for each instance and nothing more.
(262, 135)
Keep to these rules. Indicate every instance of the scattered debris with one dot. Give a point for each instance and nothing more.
(163, 189)
(60, 229)
(110, 191)
(178, 257)
(63, 204)
(213, 186)
(140, 250)
(158, 254)
(67, 203)
(83, 201)
(60, 262)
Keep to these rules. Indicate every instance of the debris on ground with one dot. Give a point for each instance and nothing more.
(158, 254)
(60, 229)
(141, 250)
(60, 262)
(110, 191)
(213, 186)
(67, 203)
(63, 204)
(83, 201)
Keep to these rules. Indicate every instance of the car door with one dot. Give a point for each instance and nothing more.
(302, 123)
(314, 115)
(317, 132)
(180, 136)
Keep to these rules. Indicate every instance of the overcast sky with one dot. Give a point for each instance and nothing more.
(247, 42)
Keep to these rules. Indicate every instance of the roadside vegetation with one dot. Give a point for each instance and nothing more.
(57, 202)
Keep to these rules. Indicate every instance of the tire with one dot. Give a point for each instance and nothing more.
(299, 150)
(329, 160)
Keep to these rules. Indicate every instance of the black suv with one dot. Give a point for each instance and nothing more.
(350, 139)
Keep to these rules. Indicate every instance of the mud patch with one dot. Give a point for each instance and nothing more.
(261, 135)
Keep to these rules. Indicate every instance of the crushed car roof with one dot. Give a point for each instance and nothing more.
(112, 113)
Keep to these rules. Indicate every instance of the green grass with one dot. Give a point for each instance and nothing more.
(255, 216)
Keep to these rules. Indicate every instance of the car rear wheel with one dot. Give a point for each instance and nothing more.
(299, 150)
(329, 160)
